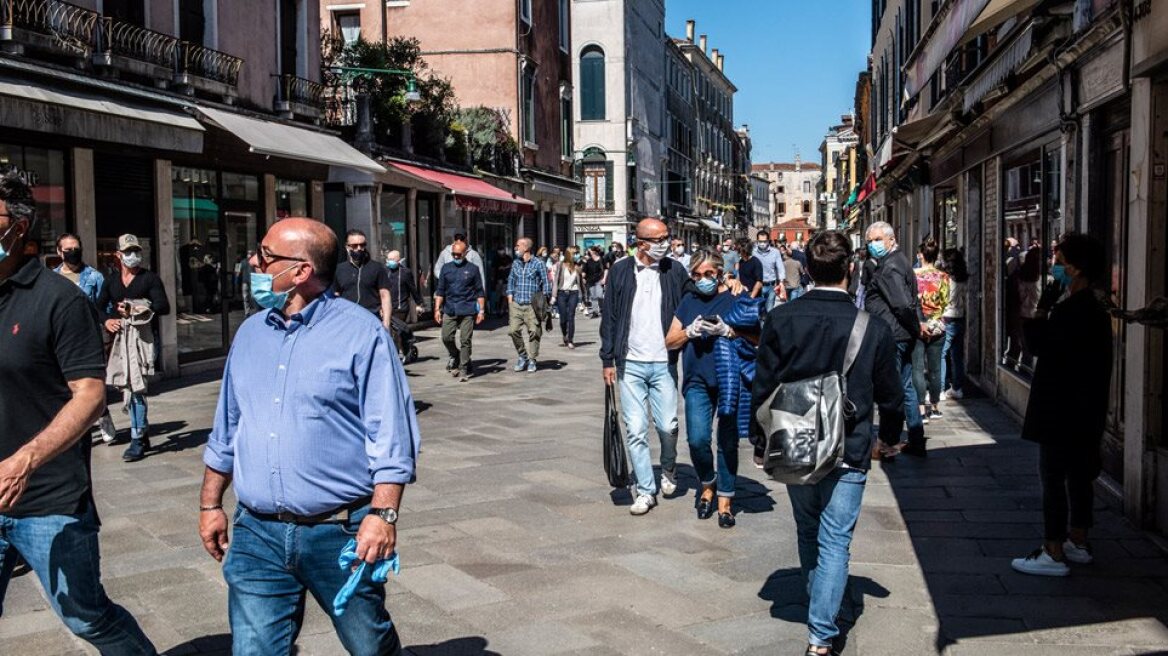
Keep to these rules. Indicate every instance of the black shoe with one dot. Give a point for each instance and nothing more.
(914, 448)
(705, 508)
(137, 450)
(726, 520)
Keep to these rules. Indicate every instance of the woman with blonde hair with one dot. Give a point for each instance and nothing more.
(566, 294)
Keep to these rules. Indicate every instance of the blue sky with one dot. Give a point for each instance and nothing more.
(794, 62)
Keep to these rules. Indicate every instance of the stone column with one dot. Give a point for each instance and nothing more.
(84, 209)
(164, 216)
(269, 200)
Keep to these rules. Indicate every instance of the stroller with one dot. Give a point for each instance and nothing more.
(407, 339)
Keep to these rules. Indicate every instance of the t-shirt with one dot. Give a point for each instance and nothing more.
(593, 271)
(48, 336)
(794, 272)
(646, 337)
(362, 284)
(749, 272)
(697, 360)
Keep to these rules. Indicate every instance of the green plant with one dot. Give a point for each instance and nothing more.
(489, 141)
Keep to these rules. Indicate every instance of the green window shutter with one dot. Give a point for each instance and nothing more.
(609, 202)
(592, 85)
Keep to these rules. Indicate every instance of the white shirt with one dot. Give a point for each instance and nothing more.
(646, 336)
(569, 280)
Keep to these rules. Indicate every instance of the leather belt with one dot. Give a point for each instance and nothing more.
(338, 516)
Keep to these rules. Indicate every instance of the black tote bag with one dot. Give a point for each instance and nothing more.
(616, 462)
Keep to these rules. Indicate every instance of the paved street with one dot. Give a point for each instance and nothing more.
(512, 544)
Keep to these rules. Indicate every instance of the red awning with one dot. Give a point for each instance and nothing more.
(867, 189)
(470, 193)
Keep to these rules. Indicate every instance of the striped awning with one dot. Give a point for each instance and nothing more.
(943, 36)
(1007, 61)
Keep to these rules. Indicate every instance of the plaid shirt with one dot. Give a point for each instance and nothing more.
(526, 279)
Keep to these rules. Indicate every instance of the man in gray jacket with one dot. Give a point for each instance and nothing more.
(472, 256)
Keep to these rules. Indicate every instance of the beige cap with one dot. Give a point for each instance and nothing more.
(128, 241)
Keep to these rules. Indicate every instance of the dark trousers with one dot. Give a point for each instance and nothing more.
(926, 360)
(1068, 472)
(401, 315)
(460, 349)
(566, 303)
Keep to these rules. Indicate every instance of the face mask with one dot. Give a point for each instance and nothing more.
(358, 256)
(518, 253)
(459, 261)
(261, 290)
(1059, 272)
(764, 246)
(131, 260)
(72, 256)
(392, 264)
(657, 251)
(707, 286)
(877, 249)
(680, 250)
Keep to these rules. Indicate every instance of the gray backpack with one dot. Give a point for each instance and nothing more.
(803, 422)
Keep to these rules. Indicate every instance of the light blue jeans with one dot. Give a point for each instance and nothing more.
(137, 415)
(701, 406)
(825, 519)
(63, 552)
(649, 387)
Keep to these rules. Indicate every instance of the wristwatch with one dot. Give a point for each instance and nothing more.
(387, 514)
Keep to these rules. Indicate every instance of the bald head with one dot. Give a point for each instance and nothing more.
(307, 238)
(651, 229)
(393, 256)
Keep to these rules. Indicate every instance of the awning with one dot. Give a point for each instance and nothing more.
(195, 209)
(868, 187)
(944, 34)
(290, 142)
(1008, 59)
(714, 226)
(554, 185)
(97, 117)
(996, 13)
(912, 133)
(471, 193)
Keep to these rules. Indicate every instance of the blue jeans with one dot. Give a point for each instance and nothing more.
(137, 415)
(768, 293)
(953, 354)
(701, 405)
(649, 387)
(794, 293)
(825, 518)
(912, 411)
(269, 568)
(63, 551)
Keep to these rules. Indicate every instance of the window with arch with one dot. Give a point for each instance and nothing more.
(592, 84)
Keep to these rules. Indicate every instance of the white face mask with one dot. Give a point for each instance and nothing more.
(680, 250)
(658, 251)
(131, 259)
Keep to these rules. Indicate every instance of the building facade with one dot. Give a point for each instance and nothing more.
(995, 121)
(622, 129)
(760, 202)
(794, 189)
(837, 159)
(171, 120)
(681, 114)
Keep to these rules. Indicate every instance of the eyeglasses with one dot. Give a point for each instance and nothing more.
(708, 275)
(264, 257)
(653, 240)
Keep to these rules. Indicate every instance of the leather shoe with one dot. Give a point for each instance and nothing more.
(705, 508)
(726, 520)
(136, 451)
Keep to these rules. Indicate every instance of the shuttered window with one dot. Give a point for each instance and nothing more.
(592, 84)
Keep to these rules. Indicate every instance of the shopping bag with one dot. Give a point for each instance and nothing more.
(616, 461)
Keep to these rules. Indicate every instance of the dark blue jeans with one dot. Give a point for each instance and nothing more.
(912, 411)
(953, 355)
(269, 568)
(566, 303)
(701, 405)
(63, 551)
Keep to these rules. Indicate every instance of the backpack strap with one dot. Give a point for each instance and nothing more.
(854, 340)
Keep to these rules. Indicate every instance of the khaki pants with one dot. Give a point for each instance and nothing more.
(524, 315)
(460, 349)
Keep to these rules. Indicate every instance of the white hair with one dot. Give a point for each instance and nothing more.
(883, 226)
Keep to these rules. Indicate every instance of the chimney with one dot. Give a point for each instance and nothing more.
(714, 56)
(721, 61)
(702, 42)
(689, 30)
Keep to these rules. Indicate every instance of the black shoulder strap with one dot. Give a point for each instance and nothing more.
(854, 340)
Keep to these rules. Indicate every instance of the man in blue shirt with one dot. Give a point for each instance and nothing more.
(459, 304)
(528, 277)
(316, 428)
(772, 269)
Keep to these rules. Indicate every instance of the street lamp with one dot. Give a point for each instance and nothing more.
(411, 96)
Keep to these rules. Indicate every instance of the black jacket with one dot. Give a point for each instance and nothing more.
(145, 284)
(402, 288)
(617, 307)
(890, 292)
(1072, 380)
(808, 337)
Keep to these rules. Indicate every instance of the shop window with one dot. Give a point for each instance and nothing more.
(393, 223)
(241, 187)
(46, 171)
(592, 84)
(291, 198)
(529, 105)
(1032, 223)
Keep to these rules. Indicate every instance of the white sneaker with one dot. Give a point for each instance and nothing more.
(1040, 563)
(642, 505)
(668, 485)
(108, 431)
(1076, 554)
(954, 394)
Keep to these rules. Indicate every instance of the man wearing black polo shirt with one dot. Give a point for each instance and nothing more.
(363, 282)
(52, 389)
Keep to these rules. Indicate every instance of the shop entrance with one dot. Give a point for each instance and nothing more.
(495, 241)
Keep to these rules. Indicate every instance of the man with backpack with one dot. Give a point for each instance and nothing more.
(806, 348)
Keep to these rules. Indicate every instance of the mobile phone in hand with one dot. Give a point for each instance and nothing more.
(712, 319)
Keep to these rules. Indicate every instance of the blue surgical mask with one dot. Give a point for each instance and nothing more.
(707, 286)
(392, 264)
(877, 249)
(1059, 272)
(459, 261)
(261, 290)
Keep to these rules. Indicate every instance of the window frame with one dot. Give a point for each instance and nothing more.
(528, 98)
(593, 53)
(525, 11)
(565, 27)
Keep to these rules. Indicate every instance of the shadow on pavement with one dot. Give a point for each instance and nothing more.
(969, 509)
(788, 596)
(475, 646)
(219, 643)
(178, 442)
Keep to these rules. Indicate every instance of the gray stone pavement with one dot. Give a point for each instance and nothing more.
(511, 542)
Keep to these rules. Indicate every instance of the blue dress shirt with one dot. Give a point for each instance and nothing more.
(313, 411)
(526, 279)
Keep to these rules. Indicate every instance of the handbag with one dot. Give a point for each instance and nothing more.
(539, 305)
(616, 461)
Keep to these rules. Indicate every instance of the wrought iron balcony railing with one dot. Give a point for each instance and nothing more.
(211, 64)
(292, 89)
(134, 42)
(71, 27)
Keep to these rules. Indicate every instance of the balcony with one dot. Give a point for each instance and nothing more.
(296, 96)
(60, 30)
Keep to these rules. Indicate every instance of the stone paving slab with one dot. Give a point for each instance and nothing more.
(512, 543)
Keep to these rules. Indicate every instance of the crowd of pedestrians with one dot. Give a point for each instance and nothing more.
(314, 396)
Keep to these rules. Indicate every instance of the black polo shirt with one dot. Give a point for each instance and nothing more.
(48, 336)
(362, 284)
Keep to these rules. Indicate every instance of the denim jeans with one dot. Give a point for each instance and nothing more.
(768, 293)
(912, 413)
(137, 415)
(926, 360)
(649, 387)
(567, 303)
(825, 518)
(63, 551)
(595, 296)
(953, 355)
(269, 568)
(794, 293)
(701, 405)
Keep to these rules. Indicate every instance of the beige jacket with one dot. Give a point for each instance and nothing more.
(131, 360)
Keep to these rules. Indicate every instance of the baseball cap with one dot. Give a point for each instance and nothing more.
(128, 241)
